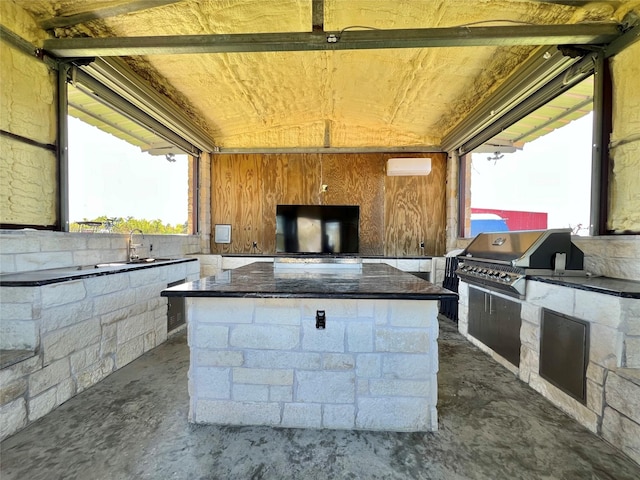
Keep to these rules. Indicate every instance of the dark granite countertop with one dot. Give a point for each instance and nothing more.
(299, 255)
(607, 285)
(37, 278)
(259, 280)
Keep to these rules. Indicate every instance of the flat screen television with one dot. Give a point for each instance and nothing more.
(321, 229)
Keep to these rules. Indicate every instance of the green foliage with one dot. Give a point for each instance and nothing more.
(104, 224)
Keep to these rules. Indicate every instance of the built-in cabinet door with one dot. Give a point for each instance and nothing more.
(495, 321)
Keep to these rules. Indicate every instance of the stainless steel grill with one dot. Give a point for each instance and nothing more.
(503, 260)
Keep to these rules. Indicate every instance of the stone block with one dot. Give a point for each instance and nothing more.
(596, 373)
(302, 415)
(366, 308)
(48, 377)
(595, 397)
(531, 313)
(222, 310)
(564, 402)
(621, 432)
(18, 334)
(557, 298)
(530, 335)
(262, 376)
(338, 361)
(92, 374)
(341, 417)
(210, 336)
(236, 413)
(381, 314)
(16, 311)
(598, 308)
(42, 404)
(325, 387)
(368, 365)
(623, 396)
(13, 417)
(272, 337)
(108, 340)
(272, 312)
(218, 358)
(404, 340)
(42, 260)
(412, 313)
(128, 352)
(275, 359)
(62, 293)
(85, 357)
(388, 387)
(65, 315)
(103, 285)
(394, 414)
(212, 382)
(19, 370)
(26, 295)
(65, 390)
(113, 302)
(60, 343)
(334, 308)
(330, 339)
(360, 337)
(362, 386)
(631, 352)
(631, 315)
(280, 393)
(408, 366)
(10, 391)
(135, 326)
(145, 276)
(251, 393)
(150, 294)
(606, 345)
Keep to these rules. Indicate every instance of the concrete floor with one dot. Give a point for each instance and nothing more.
(133, 425)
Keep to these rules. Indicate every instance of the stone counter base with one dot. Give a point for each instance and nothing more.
(263, 362)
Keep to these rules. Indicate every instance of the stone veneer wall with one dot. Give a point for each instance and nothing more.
(263, 362)
(26, 250)
(613, 375)
(85, 329)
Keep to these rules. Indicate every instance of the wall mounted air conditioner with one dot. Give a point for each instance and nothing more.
(408, 166)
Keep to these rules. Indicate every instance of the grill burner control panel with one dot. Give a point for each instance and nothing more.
(506, 279)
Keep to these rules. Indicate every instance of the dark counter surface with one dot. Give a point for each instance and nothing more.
(607, 285)
(260, 280)
(37, 278)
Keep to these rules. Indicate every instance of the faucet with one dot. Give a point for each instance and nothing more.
(131, 248)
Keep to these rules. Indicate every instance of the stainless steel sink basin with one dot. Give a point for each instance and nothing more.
(139, 261)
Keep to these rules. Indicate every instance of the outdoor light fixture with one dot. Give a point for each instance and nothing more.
(408, 166)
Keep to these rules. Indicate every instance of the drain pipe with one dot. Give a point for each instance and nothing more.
(62, 153)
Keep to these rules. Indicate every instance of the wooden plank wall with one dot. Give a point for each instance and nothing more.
(396, 213)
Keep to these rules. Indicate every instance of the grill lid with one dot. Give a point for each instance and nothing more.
(531, 249)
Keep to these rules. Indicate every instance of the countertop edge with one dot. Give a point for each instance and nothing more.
(566, 282)
(355, 296)
(88, 273)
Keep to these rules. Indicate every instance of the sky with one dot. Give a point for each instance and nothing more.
(551, 174)
(108, 176)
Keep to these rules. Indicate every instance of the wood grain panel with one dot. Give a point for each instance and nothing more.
(358, 179)
(415, 211)
(396, 213)
(288, 179)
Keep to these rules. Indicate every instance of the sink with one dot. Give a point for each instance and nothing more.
(138, 261)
